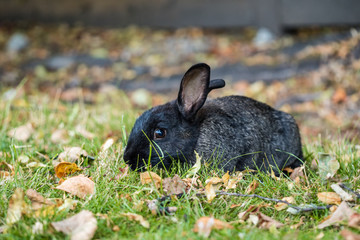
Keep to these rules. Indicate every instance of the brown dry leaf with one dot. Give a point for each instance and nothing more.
(137, 217)
(71, 154)
(342, 213)
(150, 177)
(37, 200)
(6, 170)
(21, 133)
(267, 222)
(79, 186)
(81, 130)
(66, 168)
(204, 225)
(281, 206)
(298, 175)
(193, 182)
(349, 235)
(173, 185)
(252, 209)
(329, 197)
(59, 136)
(251, 188)
(17, 207)
(354, 221)
(81, 226)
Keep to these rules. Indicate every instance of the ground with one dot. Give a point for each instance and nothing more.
(74, 86)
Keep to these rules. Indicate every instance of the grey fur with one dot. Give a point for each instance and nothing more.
(233, 132)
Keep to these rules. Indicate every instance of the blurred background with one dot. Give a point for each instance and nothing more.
(302, 57)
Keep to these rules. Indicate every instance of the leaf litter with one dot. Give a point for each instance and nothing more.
(336, 100)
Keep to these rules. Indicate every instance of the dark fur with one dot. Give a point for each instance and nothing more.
(233, 132)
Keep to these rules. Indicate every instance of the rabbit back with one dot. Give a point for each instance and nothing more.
(238, 132)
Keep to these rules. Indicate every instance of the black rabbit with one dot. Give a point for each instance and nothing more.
(233, 132)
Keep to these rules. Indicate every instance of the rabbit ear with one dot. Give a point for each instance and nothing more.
(194, 89)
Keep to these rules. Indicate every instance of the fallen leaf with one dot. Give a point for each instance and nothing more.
(38, 228)
(66, 168)
(71, 154)
(251, 188)
(354, 221)
(194, 169)
(21, 133)
(59, 136)
(81, 226)
(17, 207)
(37, 200)
(204, 225)
(267, 222)
(328, 165)
(79, 186)
(150, 177)
(193, 182)
(68, 204)
(298, 175)
(137, 217)
(281, 206)
(349, 235)
(6, 170)
(226, 178)
(251, 210)
(173, 185)
(342, 213)
(231, 184)
(329, 197)
(81, 130)
(319, 236)
(213, 184)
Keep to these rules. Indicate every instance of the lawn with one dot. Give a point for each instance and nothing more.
(39, 126)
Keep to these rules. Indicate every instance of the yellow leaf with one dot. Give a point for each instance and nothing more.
(212, 184)
(66, 168)
(225, 178)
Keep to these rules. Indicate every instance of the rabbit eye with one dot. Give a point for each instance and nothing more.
(159, 133)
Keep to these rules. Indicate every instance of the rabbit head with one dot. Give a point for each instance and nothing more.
(169, 131)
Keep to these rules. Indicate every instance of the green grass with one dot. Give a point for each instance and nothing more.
(115, 118)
